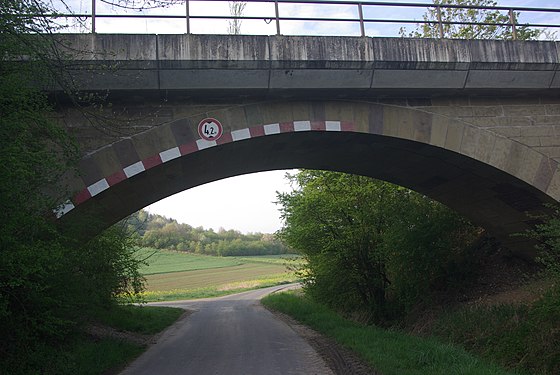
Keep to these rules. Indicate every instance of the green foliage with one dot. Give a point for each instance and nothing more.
(429, 249)
(146, 320)
(470, 23)
(335, 222)
(107, 267)
(77, 355)
(524, 338)
(371, 245)
(387, 351)
(49, 282)
(82, 354)
(548, 235)
(162, 233)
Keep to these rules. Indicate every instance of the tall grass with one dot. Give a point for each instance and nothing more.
(525, 338)
(387, 351)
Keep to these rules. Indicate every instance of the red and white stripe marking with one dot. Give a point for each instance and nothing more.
(198, 145)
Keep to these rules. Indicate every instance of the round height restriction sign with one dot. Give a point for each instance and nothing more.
(210, 129)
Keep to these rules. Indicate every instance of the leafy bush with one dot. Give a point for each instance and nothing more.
(49, 281)
(371, 245)
(521, 337)
(548, 235)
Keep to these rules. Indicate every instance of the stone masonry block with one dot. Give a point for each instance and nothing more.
(487, 111)
(553, 189)
(439, 131)
(524, 110)
(233, 118)
(546, 120)
(153, 142)
(528, 141)
(185, 130)
(107, 161)
(470, 140)
(453, 112)
(339, 111)
(506, 132)
(406, 126)
(545, 173)
(454, 136)
(302, 111)
(549, 141)
(361, 116)
(275, 112)
(484, 146)
(514, 164)
(376, 119)
(422, 126)
(552, 109)
(500, 121)
(550, 151)
(530, 165)
(253, 114)
(500, 152)
(538, 131)
(391, 121)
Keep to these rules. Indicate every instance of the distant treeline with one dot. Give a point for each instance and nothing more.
(162, 233)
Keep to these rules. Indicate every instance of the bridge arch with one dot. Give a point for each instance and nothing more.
(492, 179)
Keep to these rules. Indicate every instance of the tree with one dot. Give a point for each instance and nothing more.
(369, 245)
(337, 222)
(49, 281)
(469, 23)
(236, 9)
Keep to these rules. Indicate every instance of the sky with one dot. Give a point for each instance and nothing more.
(253, 209)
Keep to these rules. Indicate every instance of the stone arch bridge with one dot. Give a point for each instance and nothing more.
(472, 124)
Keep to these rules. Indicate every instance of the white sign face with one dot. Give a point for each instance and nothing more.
(210, 129)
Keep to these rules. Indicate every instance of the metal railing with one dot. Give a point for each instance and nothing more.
(512, 12)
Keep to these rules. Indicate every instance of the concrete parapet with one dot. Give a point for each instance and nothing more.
(359, 66)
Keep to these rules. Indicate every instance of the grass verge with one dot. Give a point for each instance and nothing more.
(83, 354)
(520, 337)
(146, 320)
(219, 290)
(389, 352)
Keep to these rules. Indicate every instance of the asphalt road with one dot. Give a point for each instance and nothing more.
(231, 335)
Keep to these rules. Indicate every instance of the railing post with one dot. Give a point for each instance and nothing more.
(93, 16)
(187, 16)
(277, 15)
(440, 24)
(361, 13)
(512, 21)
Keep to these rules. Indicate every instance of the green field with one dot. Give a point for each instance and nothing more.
(161, 261)
(212, 276)
(174, 275)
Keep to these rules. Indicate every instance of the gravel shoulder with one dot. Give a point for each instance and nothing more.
(340, 360)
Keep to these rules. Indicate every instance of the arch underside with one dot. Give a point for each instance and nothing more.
(488, 196)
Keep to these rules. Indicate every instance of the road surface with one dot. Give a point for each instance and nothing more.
(231, 335)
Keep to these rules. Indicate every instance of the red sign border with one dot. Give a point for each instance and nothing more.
(206, 120)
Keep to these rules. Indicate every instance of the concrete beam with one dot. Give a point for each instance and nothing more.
(195, 64)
